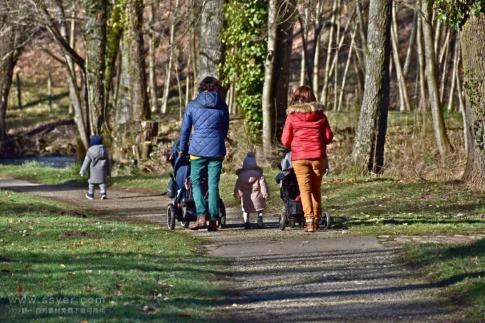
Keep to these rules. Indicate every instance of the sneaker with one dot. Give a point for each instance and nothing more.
(104, 197)
(90, 196)
(260, 222)
(247, 226)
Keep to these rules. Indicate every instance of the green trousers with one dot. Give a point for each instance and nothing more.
(210, 169)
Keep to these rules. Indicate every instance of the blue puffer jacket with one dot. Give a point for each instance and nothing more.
(207, 114)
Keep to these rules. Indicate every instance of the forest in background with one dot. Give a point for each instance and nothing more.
(128, 68)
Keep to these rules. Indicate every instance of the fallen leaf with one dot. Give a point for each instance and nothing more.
(149, 310)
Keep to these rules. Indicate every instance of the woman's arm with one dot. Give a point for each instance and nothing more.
(287, 136)
(225, 123)
(185, 131)
(327, 132)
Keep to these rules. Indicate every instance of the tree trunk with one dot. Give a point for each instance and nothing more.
(473, 49)
(346, 70)
(152, 59)
(171, 42)
(324, 94)
(284, 43)
(441, 137)
(412, 40)
(317, 41)
(8, 58)
(403, 91)
(269, 76)
(133, 107)
(275, 89)
(74, 90)
(304, 38)
(133, 36)
(422, 64)
(96, 12)
(210, 47)
(456, 60)
(368, 149)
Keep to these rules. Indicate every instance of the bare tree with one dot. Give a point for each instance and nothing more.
(14, 28)
(441, 137)
(58, 29)
(368, 150)
(152, 61)
(9, 53)
(276, 77)
(75, 92)
(171, 43)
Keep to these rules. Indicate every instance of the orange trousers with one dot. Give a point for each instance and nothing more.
(309, 174)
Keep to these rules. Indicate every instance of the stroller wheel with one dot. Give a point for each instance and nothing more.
(283, 221)
(171, 215)
(302, 223)
(222, 215)
(185, 223)
(325, 220)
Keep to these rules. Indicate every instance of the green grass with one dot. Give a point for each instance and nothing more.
(111, 271)
(460, 268)
(36, 106)
(385, 206)
(43, 174)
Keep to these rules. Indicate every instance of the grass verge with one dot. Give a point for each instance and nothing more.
(385, 206)
(50, 175)
(460, 268)
(55, 267)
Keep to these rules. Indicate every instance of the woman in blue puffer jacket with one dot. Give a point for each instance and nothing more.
(207, 119)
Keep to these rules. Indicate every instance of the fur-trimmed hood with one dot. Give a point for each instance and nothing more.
(305, 107)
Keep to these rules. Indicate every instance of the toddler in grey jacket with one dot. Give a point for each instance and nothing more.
(97, 166)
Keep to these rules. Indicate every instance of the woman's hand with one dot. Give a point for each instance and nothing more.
(331, 148)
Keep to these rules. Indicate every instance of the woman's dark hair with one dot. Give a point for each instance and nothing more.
(210, 84)
(303, 94)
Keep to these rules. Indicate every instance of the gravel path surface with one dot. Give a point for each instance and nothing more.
(288, 275)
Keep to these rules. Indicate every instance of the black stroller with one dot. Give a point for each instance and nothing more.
(182, 207)
(290, 194)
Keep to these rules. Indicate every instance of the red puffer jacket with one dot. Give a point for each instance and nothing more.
(307, 132)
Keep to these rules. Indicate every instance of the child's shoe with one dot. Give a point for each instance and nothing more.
(104, 196)
(260, 222)
(247, 226)
(90, 196)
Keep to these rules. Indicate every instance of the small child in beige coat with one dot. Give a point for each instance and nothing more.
(252, 189)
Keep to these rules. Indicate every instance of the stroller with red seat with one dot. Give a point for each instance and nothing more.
(290, 195)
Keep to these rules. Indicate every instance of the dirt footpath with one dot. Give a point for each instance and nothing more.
(288, 275)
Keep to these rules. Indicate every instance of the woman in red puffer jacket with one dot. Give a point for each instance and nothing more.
(307, 133)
